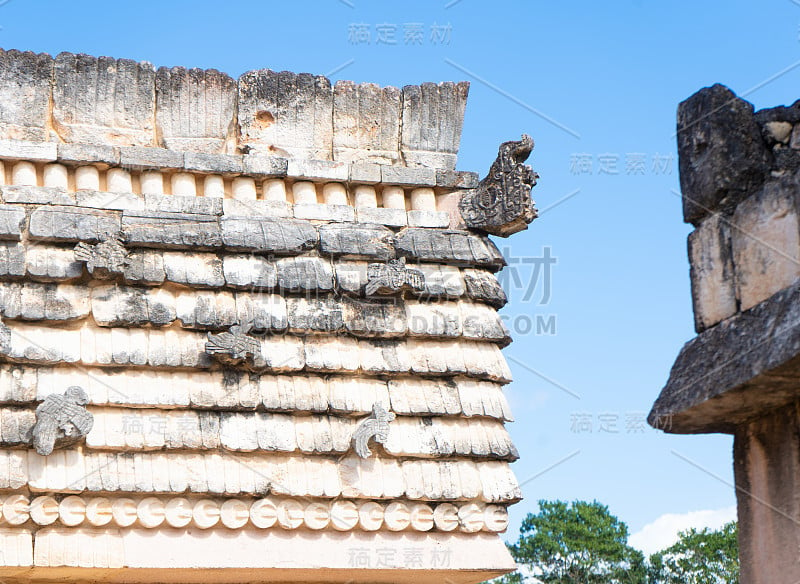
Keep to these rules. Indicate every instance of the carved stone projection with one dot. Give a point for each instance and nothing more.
(5, 337)
(104, 259)
(375, 426)
(233, 346)
(393, 277)
(501, 204)
(61, 420)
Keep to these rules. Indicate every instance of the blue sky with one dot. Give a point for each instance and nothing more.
(593, 83)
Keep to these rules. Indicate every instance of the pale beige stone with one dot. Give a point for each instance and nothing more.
(304, 193)
(397, 516)
(234, 514)
(124, 512)
(334, 194)
(344, 515)
(290, 514)
(274, 190)
(16, 509)
(780, 131)
(317, 516)
(445, 517)
(423, 199)
(56, 176)
(365, 197)
(72, 511)
(23, 173)
(766, 243)
(87, 178)
(244, 188)
(152, 182)
(205, 513)
(118, 180)
(44, 510)
(99, 511)
(183, 184)
(495, 518)
(393, 198)
(370, 516)
(264, 513)
(470, 517)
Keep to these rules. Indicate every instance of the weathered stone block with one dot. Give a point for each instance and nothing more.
(356, 241)
(366, 122)
(286, 114)
(30, 151)
(457, 247)
(268, 235)
(179, 204)
(12, 218)
(766, 242)
(143, 158)
(25, 95)
(365, 173)
(266, 312)
(721, 153)
(171, 230)
(79, 154)
(374, 319)
(49, 264)
(72, 224)
(103, 100)
(194, 269)
(238, 208)
(429, 105)
(29, 301)
(382, 216)
(114, 305)
(711, 260)
(309, 315)
(484, 287)
(441, 281)
(194, 108)
(213, 163)
(318, 170)
(106, 200)
(261, 164)
(304, 273)
(454, 179)
(207, 310)
(247, 271)
(400, 175)
(437, 219)
(322, 212)
(12, 259)
(36, 195)
(145, 267)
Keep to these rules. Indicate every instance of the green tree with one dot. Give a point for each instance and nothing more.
(576, 543)
(699, 557)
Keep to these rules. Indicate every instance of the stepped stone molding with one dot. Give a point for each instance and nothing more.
(247, 285)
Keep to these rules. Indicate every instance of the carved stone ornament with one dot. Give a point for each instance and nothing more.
(61, 420)
(5, 337)
(393, 277)
(501, 204)
(104, 259)
(375, 426)
(233, 346)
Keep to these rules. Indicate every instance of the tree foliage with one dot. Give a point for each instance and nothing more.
(699, 557)
(583, 543)
(578, 543)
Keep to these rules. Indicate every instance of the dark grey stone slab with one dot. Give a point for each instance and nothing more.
(145, 267)
(721, 152)
(268, 235)
(36, 195)
(12, 260)
(171, 230)
(735, 371)
(484, 287)
(449, 247)
(12, 218)
(356, 241)
(304, 273)
(72, 224)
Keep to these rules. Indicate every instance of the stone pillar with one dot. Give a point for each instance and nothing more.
(766, 462)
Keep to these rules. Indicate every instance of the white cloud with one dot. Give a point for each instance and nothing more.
(663, 532)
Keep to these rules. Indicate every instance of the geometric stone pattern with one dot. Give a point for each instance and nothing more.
(173, 216)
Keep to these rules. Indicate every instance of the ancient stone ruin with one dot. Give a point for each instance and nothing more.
(740, 177)
(249, 328)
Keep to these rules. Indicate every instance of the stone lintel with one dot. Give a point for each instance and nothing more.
(736, 371)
